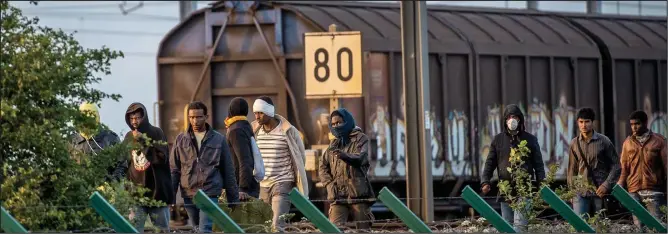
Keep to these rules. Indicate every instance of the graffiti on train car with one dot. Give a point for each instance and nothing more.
(457, 145)
(387, 164)
(554, 132)
(656, 120)
(491, 127)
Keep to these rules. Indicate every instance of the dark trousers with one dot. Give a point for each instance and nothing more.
(360, 212)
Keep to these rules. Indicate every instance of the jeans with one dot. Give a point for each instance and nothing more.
(583, 205)
(361, 213)
(652, 202)
(278, 197)
(197, 218)
(516, 218)
(159, 216)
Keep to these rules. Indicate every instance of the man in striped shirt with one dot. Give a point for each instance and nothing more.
(593, 157)
(283, 154)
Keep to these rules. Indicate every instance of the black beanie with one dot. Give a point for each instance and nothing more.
(238, 107)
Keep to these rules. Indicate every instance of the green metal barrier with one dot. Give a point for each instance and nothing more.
(398, 208)
(312, 213)
(565, 211)
(216, 214)
(486, 210)
(9, 224)
(104, 209)
(637, 209)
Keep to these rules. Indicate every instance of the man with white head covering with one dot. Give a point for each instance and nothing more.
(284, 156)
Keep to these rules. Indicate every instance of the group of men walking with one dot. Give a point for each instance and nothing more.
(202, 158)
(640, 168)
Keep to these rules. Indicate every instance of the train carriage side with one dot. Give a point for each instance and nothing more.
(634, 61)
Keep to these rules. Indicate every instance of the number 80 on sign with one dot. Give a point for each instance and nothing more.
(333, 64)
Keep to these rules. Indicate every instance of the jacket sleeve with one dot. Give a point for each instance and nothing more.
(623, 163)
(227, 173)
(239, 145)
(293, 133)
(664, 157)
(572, 168)
(160, 148)
(361, 155)
(491, 163)
(537, 161)
(611, 154)
(324, 169)
(175, 166)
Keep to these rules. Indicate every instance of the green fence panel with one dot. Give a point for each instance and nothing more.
(110, 214)
(565, 211)
(9, 224)
(216, 214)
(312, 213)
(637, 209)
(486, 210)
(397, 207)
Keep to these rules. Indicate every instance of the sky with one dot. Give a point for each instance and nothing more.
(139, 32)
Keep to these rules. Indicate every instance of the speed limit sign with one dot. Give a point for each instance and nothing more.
(333, 64)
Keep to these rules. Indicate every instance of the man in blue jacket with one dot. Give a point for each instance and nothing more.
(201, 159)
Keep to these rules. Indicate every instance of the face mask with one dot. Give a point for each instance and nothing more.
(512, 124)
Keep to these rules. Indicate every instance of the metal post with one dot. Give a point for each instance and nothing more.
(532, 5)
(594, 7)
(185, 8)
(416, 89)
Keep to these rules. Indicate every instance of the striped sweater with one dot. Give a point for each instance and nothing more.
(276, 156)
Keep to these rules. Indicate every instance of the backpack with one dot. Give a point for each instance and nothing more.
(258, 165)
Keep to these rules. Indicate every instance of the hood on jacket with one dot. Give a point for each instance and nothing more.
(342, 132)
(515, 110)
(143, 126)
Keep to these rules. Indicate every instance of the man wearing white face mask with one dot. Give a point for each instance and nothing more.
(499, 155)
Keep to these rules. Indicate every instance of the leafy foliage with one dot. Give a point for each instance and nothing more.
(521, 194)
(45, 75)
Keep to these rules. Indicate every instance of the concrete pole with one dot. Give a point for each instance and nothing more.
(594, 7)
(185, 8)
(532, 5)
(415, 51)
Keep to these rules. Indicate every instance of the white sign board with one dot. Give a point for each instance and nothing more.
(333, 64)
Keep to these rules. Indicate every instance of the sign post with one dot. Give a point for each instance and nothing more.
(333, 65)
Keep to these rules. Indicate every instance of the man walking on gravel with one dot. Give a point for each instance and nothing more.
(284, 156)
(593, 157)
(343, 170)
(201, 160)
(499, 159)
(644, 166)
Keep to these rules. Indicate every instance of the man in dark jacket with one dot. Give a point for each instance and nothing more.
(592, 156)
(91, 141)
(201, 159)
(343, 170)
(499, 155)
(149, 166)
(239, 134)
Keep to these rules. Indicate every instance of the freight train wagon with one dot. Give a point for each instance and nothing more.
(480, 59)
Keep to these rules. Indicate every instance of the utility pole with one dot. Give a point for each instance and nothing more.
(593, 7)
(185, 8)
(415, 51)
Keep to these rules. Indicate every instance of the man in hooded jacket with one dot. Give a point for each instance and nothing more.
(149, 166)
(239, 134)
(92, 141)
(499, 155)
(343, 170)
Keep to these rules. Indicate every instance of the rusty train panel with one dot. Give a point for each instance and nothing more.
(480, 60)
